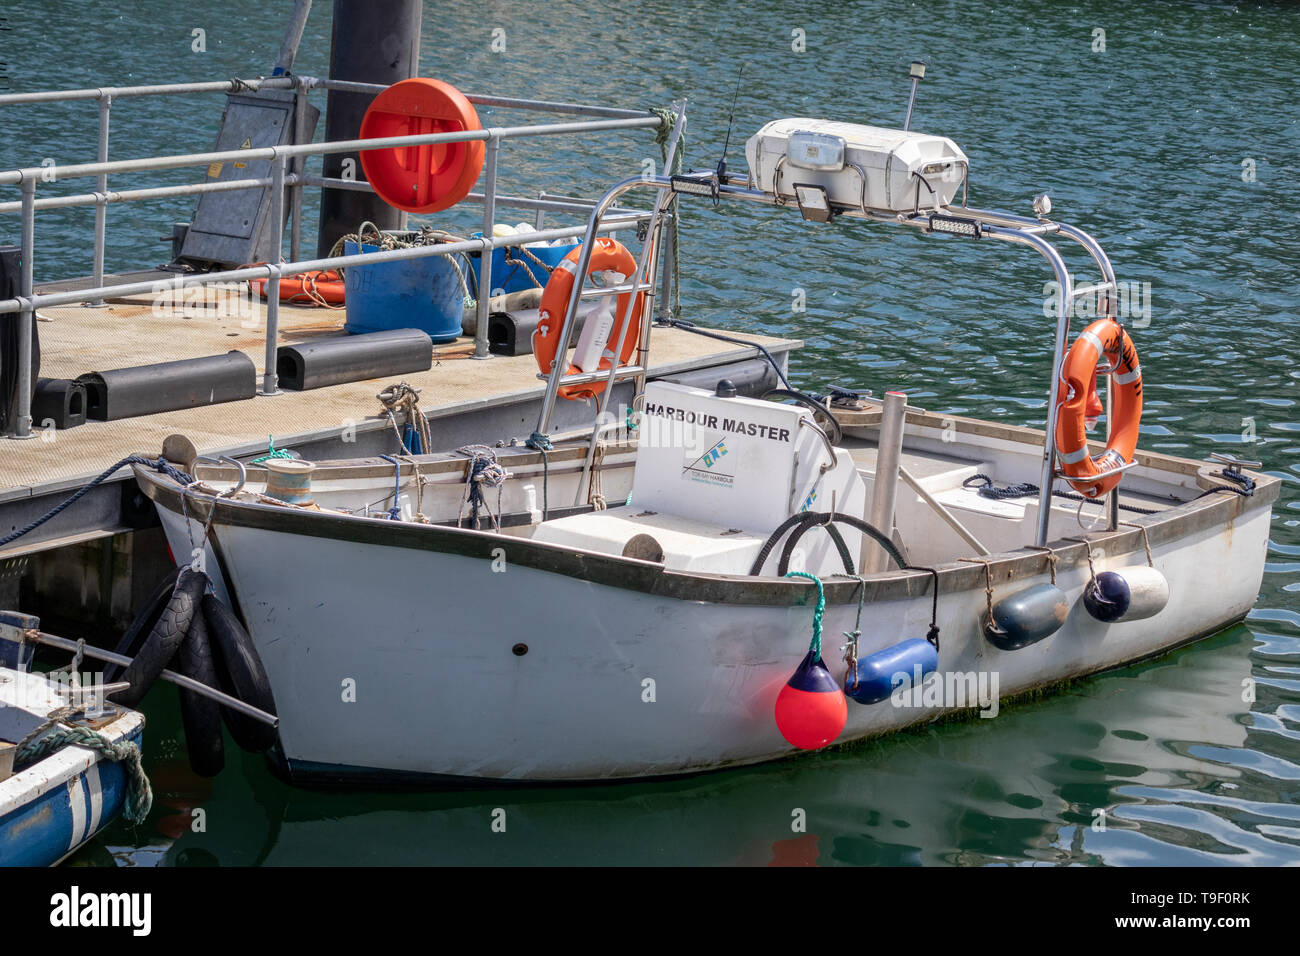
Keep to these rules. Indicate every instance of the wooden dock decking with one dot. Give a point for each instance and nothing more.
(133, 331)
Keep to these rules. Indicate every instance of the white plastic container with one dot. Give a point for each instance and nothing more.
(865, 167)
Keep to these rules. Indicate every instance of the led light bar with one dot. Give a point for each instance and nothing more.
(955, 226)
(695, 184)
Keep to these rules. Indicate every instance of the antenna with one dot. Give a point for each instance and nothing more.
(731, 121)
(917, 73)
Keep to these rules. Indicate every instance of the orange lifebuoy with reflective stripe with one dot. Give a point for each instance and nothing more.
(607, 255)
(1106, 339)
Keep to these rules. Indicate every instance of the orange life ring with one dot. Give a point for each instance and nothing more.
(606, 255)
(1103, 338)
(421, 179)
(311, 288)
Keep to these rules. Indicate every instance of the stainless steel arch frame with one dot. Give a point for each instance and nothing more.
(1004, 227)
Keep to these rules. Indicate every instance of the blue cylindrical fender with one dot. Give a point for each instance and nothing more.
(1128, 594)
(877, 672)
(1027, 617)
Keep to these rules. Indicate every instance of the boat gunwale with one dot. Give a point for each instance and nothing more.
(653, 578)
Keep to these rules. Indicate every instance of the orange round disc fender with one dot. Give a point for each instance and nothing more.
(1107, 339)
(606, 255)
(421, 179)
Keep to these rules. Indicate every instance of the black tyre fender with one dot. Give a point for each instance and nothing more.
(240, 674)
(133, 637)
(200, 716)
(165, 638)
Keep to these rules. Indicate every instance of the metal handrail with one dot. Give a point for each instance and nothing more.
(280, 179)
(1002, 226)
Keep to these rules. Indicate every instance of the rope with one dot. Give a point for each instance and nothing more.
(596, 486)
(815, 648)
(990, 624)
(542, 444)
(1146, 542)
(1025, 489)
(1087, 545)
(139, 794)
(667, 120)
(405, 398)
(851, 646)
(395, 512)
(1052, 558)
(428, 236)
(273, 453)
(482, 471)
(1247, 483)
(160, 463)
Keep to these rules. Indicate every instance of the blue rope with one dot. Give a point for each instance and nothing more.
(395, 512)
(161, 464)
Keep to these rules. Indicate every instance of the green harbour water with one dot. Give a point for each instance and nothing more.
(1176, 146)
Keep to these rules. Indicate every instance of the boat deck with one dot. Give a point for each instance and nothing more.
(475, 400)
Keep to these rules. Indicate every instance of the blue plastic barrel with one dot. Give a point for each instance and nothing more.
(518, 276)
(420, 294)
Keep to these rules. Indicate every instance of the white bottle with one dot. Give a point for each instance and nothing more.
(595, 332)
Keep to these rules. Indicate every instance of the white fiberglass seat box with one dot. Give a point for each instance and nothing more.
(714, 477)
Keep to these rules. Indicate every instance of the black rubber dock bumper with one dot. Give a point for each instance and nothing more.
(59, 401)
(168, 386)
(352, 358)
(511, 333)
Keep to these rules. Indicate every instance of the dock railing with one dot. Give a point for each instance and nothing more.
(598, 119)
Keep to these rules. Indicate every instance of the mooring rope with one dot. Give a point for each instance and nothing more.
(139, 793)
(482, 471)
(160, 464)
(815, 647)
(405, 398)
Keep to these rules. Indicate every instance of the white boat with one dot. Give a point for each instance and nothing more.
(622, 609)
(66, 764)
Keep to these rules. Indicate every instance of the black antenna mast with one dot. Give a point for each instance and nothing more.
(731, 121)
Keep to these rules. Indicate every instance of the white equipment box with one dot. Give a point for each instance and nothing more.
(715, 476)
(864, 167)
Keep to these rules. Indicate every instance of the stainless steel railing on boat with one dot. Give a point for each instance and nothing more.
(27, 179)
(1002, 226)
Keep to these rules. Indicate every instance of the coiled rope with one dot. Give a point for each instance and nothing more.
(1025, 489)
(405, 398)
(139, 793)
(483, 471)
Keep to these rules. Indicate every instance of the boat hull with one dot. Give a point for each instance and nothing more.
(398, 652)
(54, 806)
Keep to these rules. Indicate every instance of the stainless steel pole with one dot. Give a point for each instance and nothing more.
(27, 317)
(269, 378)
(292, 37)
(485, 262)
(101, 210)
(889, 452)
(299, 166)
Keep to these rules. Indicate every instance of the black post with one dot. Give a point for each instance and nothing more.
(373, 41)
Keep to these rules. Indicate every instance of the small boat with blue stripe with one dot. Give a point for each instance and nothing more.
(69, 760)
